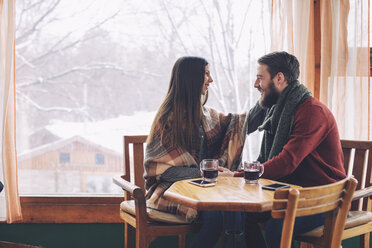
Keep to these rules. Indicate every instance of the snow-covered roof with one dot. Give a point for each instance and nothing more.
(108, 133)
(61, 143)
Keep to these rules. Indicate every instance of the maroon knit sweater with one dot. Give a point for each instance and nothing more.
(313, 155)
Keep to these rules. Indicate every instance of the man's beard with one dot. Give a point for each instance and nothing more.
(270, 96)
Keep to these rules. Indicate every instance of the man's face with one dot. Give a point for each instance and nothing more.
(266, 86)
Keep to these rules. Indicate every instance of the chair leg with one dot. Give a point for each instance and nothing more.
(127, 236)
(364, 240)
(181, 240)
(142, 243)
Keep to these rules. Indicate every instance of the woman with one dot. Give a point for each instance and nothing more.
(183, 133)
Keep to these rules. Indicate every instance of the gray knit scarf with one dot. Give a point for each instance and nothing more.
(279, 120)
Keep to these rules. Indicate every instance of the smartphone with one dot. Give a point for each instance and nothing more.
(201, 183)
(275, 186)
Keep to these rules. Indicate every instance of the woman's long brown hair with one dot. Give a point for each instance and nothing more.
(178, 117)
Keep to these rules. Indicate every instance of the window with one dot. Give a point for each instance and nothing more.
(89, 72)
(64, 158)
(100, 159)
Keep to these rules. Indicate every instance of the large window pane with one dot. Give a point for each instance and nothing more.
(89, 72)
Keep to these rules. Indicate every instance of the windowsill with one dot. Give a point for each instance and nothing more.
(71, 209)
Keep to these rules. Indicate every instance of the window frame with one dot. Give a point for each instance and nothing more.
(71, 209)
(105, 209)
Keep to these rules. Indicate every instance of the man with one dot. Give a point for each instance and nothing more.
(301, 143)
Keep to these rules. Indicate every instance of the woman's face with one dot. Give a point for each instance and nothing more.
(207, 79)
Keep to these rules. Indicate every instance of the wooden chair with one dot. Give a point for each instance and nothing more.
(149, 224)
(6, 244)
(332, 199)
(359, 221)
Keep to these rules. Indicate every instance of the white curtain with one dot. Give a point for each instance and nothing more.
(345, 83)
(10, 207)
(292, 30)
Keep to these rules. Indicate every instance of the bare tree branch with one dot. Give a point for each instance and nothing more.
(37, 106)
(175, 28)
(35, 25)
(87, 68)
(243, 24)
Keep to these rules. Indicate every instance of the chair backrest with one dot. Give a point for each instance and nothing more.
(333, 199)
(359, 167)
(133, 160)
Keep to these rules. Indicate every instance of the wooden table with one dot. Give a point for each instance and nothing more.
(229, 194)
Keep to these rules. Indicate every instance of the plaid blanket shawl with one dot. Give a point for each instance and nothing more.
(225, 136)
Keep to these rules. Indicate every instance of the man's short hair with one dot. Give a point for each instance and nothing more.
(281, 62)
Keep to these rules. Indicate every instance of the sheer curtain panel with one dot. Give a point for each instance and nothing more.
(292, 30)
(345, 80)
(8, 172)
(345, 85)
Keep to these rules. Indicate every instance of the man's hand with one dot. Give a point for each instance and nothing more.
(224, 172)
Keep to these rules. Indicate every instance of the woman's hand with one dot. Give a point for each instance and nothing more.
(224, 172)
